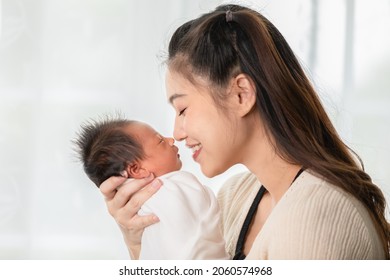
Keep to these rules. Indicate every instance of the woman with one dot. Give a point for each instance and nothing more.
(241, 97)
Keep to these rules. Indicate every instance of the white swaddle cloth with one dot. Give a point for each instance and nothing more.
(189, 226)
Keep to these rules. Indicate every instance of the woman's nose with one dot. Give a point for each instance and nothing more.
(178, 131)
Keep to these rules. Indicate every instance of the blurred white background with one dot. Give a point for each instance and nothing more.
(63, 62)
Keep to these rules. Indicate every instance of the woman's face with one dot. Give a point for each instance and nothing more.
(206, 130)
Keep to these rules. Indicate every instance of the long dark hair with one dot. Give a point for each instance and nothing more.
(235, 39)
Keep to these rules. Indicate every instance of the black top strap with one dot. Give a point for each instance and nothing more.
(239, 254)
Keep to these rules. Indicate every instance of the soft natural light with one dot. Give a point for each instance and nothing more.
(64, 62)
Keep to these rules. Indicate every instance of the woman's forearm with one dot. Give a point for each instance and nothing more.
(134, 249)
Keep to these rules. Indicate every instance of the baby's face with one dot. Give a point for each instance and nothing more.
(161, 155)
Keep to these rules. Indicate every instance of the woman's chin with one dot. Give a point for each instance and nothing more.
(211, 172)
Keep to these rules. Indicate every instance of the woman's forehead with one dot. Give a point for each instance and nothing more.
(179, 85)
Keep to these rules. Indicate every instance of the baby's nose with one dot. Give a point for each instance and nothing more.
(171, 141)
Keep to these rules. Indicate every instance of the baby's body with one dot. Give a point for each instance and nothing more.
(189, 226)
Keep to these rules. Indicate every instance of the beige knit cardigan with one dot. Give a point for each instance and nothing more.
(313, 220)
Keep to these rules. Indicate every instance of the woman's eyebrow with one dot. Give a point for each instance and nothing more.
(175, 96)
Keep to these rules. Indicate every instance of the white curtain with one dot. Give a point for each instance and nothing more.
(65, 61)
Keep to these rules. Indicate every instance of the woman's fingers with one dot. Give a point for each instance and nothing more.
(138, 223)
(129, 191)
(144, 221)
(109, 186)
(125, 198)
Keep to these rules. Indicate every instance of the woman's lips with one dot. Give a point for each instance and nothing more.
(196, 154)
(196, 151)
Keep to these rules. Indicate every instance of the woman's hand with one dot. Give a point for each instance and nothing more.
(124, 199)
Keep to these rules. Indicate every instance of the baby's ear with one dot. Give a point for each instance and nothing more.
(136, 171)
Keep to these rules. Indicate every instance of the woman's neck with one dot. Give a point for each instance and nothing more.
(276, 176)
(273, 172)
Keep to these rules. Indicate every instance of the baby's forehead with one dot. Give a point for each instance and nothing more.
(141, 130)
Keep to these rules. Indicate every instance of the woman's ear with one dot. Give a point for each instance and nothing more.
(244, 94)
(136, 171)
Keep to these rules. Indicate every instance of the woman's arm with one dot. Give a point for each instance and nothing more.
(124, 199)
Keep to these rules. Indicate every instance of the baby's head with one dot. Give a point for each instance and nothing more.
(109, 147)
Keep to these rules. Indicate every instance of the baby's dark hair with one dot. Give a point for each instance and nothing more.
(105, 149)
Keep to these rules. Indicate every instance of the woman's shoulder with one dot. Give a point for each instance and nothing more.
(311, 192)
(317, 192)
(317, 214)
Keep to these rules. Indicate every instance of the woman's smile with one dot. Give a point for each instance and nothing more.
(196, 151)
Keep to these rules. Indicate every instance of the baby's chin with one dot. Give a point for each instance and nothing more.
(177, 168)
(180, 164)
